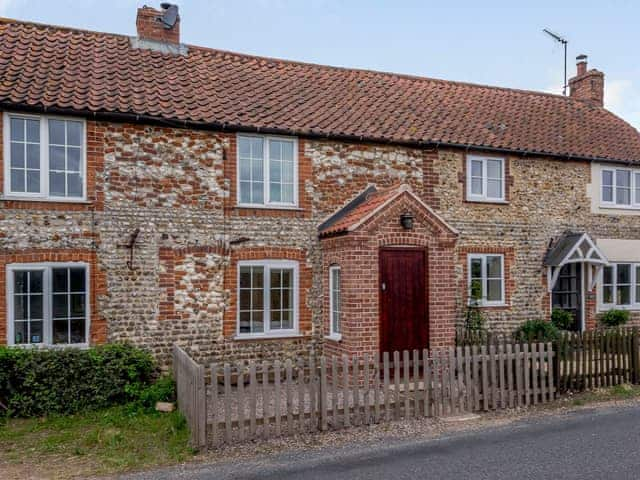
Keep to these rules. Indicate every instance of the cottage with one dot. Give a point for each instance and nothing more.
(159, 193)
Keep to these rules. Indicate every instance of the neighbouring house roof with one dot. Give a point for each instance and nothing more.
(66, 70)
(366, 204)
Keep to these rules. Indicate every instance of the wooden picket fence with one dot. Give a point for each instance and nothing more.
(252, 400)
(595, 359)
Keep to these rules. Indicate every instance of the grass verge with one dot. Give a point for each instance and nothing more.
(101, 442)
(617, 392)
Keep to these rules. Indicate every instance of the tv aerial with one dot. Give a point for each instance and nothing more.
(564, 42)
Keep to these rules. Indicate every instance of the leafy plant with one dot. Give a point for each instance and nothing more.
(163, 390)
(41, 382)
(562, 319)
(614, 318)
(475, 319)
(537, 330)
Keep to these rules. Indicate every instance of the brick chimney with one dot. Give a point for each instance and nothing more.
(156, 25)
(587, 85)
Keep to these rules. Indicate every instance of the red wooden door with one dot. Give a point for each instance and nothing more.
(403, 300)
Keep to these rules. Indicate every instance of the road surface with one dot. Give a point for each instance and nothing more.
(587, 444)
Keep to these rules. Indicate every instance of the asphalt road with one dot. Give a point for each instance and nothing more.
(589, 444)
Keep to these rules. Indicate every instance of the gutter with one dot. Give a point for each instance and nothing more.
(223, 126)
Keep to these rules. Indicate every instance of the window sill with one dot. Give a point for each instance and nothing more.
(272, 336)
(492, 305)
(490, 202)
(50, 346)
(293, 208)
(608, 206)
(13, 198)
(335, 337)
(628, 308)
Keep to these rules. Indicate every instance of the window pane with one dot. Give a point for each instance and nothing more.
(78, 307)
(276, 299)
(257, 321)
(33, 156)
(607, 275)
(257, 278)
(476, 268)
(35, 305)
(494, 169)
(275, 193)
(287, 172)
(56, 158)
(77, 279)
(607, 294)
(245, 322)
(60, 305)
(245, 170)
(476, 168)
(245, 192)
(607, 178)
(494, 267)
(73, 159)
(494, 290)
(607, 194)
(20, 333)
(60, 331)
(56, 132)
(33, 130)
(257, 147)
(74, 133)
(287, 151)
(287, 193)
(257, 170)
(275, 168)
(74, 181)
(78, 330)
(623, 187)
(623, 273)
(276, 319)
(476, 186)
(245, 277)
(20, 307)
(494, 188)
(257, 193)
(57, 184)
(17, 181)
(33, 181)
(623, 196)
(623, 295)
(20, 282)
(245, 299)
(17, 155)
(287, 319)
(274, 149)
(36, 332)
(257, 299)
(17, 129)
(59, 280)
(623, 178)
(244, 147)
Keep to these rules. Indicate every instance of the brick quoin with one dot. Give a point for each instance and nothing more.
(97, 284)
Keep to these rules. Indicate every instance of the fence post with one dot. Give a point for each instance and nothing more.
(322, 392)
(635, 350)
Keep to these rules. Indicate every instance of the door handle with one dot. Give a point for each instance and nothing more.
(383, 287)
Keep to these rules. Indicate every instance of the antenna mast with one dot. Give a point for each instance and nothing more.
(564, 42)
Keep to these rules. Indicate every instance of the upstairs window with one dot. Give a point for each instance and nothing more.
(620, 188)
(485, 179)
(48, 304)
(267, 298)
(46, 157)
(267, 171)
(486, 279)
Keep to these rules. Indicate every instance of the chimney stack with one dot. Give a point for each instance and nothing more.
(587, 85)
(159, 25)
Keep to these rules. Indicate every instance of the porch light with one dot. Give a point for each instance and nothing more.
(406, 220)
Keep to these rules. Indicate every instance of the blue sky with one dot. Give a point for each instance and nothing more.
(490, 42)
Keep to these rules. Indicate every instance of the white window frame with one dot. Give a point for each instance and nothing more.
(43, 195)
(484, 197)
(266, 298)
(634, 300)
(47, 303)
(332, 333)
(267, 203)
(634, 185)
(483, 257)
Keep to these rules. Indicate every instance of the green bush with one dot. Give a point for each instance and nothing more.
(40, 382)
(537, 330)
(562, 319)
(614, 318)
(163, 390)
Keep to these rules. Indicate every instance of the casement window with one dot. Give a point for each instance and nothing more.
(335, 305)
(267, 171)
(267, 298)
(620, 286)
(48, 304)
(486, 279)
(485, 179)
(45, 157)
(620, 188)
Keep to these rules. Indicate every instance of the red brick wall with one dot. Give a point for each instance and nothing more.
(97, 284)
(150, 28)
(358, 255)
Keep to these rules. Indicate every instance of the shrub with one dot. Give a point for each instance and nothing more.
(163, 390)
(39, 382)
(537, 330)
(562, 319)
(614, 318)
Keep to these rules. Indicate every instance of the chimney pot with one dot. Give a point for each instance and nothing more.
(150, 26)
(587, 85)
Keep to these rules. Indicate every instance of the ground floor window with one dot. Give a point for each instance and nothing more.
(620, 286)
(335, 306)
(48, 304)
(486, 279)
(267, 297)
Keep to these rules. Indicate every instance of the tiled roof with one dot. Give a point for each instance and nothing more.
(358, 209)
(81, 71)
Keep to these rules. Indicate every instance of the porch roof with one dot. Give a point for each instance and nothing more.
(574, 247)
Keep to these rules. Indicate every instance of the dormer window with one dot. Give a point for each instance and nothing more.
(45, 157)
(485, 179)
